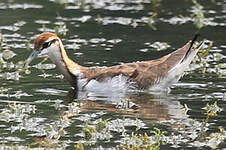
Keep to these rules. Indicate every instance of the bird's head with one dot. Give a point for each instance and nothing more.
(45, 44)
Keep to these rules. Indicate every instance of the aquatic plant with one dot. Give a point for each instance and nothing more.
(135, 141)
(61, 29)
(1, 41)
(105, 129)
(153, 17)
(81, 124)
(198, 15)
(7, 67)
(9, 70)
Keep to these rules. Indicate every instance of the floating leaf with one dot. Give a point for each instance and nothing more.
(61, 30)
(8, 54)
(79, 146)
(27, 71)
(199, 18)
(1, 41)
(160, 45)
(11, 75)
(45, 66)
(151, 21)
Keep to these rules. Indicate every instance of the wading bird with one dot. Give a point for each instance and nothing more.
(154, 74)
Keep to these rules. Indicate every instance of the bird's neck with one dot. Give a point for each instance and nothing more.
(70, 64)
(65, 65)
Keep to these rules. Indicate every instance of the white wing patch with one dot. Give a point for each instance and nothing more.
(113, 88)
(116, 84)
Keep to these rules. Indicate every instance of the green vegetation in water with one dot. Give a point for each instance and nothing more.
(158, 46)
(1, 41)
(95, 131)
(61, 30)
(17, 112)
(204, 60)
(198, 15)
(8, 69)
(152, 19)
(135, 141)
(210, 139)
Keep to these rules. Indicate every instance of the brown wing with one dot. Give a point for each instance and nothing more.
(145, 74)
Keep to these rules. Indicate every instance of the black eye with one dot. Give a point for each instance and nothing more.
(46, 45)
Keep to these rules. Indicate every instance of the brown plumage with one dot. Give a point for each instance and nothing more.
(145, 73)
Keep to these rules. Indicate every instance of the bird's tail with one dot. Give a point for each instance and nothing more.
(185, 54)
(178, 70)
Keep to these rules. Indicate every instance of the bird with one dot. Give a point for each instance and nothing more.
(157, 74)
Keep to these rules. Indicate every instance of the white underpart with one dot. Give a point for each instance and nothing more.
(116, 84)
(176, 72)
(54, 54)
(113, 88)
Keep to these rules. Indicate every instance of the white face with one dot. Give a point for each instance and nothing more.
(53, 48)
(54, 53)
(50, 48)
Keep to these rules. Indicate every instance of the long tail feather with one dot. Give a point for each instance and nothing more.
(190, 48)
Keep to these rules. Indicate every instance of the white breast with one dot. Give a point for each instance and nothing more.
(109, 85)
(113, 89)
(117, 84)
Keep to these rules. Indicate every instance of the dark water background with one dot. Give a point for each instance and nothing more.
(104, 33)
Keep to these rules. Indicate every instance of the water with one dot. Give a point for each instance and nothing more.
(40, 109)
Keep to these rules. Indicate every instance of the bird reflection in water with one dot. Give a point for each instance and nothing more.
(137, 104)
